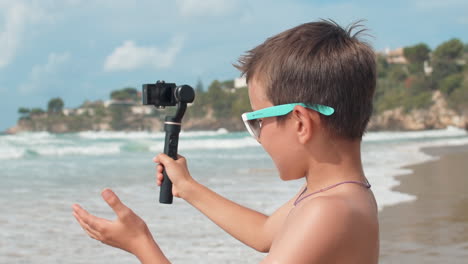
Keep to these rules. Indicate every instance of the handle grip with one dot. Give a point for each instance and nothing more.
(165, 194)
(170, 148)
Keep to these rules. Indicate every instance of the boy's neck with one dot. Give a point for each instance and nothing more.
(333, 162)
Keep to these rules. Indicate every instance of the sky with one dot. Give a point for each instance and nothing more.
(82, 50)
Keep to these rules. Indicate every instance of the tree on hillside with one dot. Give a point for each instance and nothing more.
(451, 83)
(220, 100)
(416, 55)
(24, 112)
(459, 98)
(37, 111)
(382, 66)
(227, 84)
(449, 50)
(445, 62)
(241, 102)
(55, 106)
(127, 93)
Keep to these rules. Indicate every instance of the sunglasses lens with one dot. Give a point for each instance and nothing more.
(254, 126)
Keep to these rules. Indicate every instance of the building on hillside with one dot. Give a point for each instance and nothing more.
(142, 110)
(427, 68)
(69, 111)
(240, 82)
(119, 102)
(87, 111)
(395, 56)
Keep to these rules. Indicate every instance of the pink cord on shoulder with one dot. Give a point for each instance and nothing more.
(299, 198)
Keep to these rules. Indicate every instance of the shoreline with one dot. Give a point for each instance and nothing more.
(434, 227)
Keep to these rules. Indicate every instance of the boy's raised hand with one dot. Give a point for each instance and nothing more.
(127, 232)
(176, 170)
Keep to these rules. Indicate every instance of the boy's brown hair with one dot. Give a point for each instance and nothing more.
(318, 63)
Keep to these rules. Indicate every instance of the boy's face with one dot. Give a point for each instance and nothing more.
(278, 140)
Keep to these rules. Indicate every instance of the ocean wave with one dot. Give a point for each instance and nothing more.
(8, 153)
(385, 136)
(102, 143)
(145, 134)
(221, 131)
(193, 144)
(79, 150)
(383, 166)
(120, 135)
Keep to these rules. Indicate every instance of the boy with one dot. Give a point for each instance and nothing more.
(311, 90)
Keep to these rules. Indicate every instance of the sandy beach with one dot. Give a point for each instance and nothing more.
(434, 227)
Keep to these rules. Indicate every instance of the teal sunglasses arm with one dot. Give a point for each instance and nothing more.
(279, 110)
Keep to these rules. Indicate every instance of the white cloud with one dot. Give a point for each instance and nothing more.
(17, 16)
(129, 56)
(205, 7)
(15, 20)
(43, 74)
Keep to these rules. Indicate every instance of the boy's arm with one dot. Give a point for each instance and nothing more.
(249, 226)
(128, 232)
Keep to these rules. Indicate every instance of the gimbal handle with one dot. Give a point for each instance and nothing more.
(172, 127)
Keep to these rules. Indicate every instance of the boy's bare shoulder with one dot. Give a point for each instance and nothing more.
(325, 207)
(322, 230)
(327, 215)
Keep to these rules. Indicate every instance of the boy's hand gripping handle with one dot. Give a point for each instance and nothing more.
(170, 148)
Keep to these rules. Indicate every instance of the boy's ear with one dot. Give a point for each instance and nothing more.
(307, 123)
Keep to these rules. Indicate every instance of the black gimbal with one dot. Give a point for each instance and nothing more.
(162, 94)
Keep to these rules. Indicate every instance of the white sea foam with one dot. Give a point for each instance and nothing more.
(7, 152)
(145, 134)
(203, 144)
(79, 150)
(382, 167)
(219, 143)
(220, 131)
(119, 135)
(384, 163)
(411, 135)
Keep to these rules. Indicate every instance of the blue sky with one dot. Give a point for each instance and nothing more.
(82, 50)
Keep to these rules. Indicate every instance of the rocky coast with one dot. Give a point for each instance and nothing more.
(438, 116)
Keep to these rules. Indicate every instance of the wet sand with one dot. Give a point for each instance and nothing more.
(434, 227)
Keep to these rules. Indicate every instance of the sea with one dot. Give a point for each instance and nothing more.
(43, 174)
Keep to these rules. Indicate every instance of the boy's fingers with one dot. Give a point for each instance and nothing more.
(165, 159)
(160, 168)
(87, 220)
(162, 159)
(92, 233)
(114, 202)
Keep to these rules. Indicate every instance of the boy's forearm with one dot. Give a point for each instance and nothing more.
(244, 224)
(148, 252)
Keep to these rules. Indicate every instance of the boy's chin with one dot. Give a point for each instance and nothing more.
(288, 177)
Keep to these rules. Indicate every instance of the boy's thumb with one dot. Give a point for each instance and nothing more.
(114, 202)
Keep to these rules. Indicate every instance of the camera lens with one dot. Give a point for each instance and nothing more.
(185, 93)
